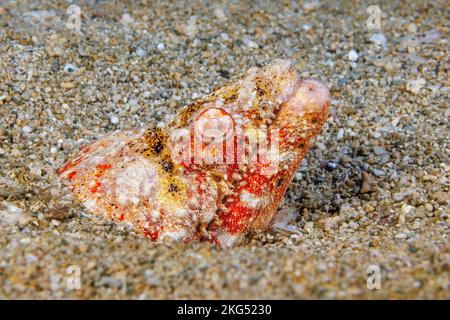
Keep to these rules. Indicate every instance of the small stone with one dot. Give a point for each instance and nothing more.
(218, 12)
(54, 65)
(331, 165)
(188, 29)
(55, 223)
(431, 36)
(420, 212)
(311, 6)
(340, 134)
(151, 278)
(379, 39)
(67, 85)
(25, 241)
(224, 36)
(379, 150)
(414, 86)
(298, 176)
(407, 209)
(307, 26)
(346, 159)
(441, 197)
(83, 248)
(373, 243)
(114, 119)
(328, 165)
(411, 27)
(395, 122)
(126, 19)
(407, 160)
(110, 282)
(70, 68)
(429, 207)
(367, 182)
(429, 177)
(401, 236)
(309, 227)
(378, 173)
(320, 146)
(160, 46)
(353, 55)
(250, 43)
(141, 52)
(27, 129)
(31, 258)
(353, 225)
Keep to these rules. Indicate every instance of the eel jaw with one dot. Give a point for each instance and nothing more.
(310, 97)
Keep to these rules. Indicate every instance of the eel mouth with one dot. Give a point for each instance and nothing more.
(296, 97)
(305, 111)
(309, 96)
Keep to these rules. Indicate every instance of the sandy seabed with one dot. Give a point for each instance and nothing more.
(372, 194)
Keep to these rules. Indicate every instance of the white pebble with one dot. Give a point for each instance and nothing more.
(353, 55)
(412, 28)
(31, 258)
(447, 113)
(224, 36)
(218, 12)
(414, 86)
(311, 6)
(114, 119)
(70, 68)
(406, 209)
(353, 225)
(126, 19)
(141, 52)
(195, 95)
(27, 129)
(351, 123)
(395, 122)
(161, 46)
(379, 39)
(250, 43)
(377, 134)
(307, 26)
(401, 236)
(340, 134)
(54, 223)
(321, 146)
(25, 241)
(309, 227)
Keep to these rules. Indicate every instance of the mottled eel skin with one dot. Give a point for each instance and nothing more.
(217, 172)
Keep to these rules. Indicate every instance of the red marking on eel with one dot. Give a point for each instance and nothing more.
(71, 175)
(96, 187)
